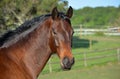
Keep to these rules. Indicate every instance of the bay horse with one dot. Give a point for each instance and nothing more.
(25, 50)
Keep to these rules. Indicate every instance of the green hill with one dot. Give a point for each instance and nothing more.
(95, 17)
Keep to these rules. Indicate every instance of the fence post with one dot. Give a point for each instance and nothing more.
(118, 54)
(50, 65)
(80, 30)
(90, 43)
(85, 59)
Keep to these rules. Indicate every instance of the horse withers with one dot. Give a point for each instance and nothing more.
(25, 50)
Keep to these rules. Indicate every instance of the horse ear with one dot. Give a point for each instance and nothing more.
(54, 13)
(69, 12)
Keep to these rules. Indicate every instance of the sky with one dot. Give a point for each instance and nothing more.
(77, 4)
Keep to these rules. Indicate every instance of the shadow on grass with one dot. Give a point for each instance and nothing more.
(82, 43)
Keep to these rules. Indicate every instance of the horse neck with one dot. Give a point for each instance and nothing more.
(33, 51)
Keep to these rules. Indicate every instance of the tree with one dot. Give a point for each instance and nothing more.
(14, 12)
(117, 22)
(98, 17)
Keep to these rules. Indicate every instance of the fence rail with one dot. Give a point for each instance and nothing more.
(87, 31)
(86, 59)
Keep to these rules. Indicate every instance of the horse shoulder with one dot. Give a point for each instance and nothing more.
(9, 69)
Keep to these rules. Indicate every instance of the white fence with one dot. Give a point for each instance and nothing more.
(84, 31)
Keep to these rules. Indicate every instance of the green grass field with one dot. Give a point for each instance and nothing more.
(81, 45)
(107, 71)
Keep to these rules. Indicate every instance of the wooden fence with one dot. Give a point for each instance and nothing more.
(84, 59)
(89, 31)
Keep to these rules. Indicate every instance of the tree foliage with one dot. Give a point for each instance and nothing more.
(98, 17)
(14, 12)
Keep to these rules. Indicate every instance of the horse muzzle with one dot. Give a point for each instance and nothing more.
(67, 63)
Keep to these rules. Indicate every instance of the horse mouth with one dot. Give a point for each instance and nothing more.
(66, 68)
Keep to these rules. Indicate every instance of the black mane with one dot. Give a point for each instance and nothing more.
(27, 27)
(12, 36)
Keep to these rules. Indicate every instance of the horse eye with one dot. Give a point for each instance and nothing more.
(54, 33)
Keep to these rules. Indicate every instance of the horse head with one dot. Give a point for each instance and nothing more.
(61, 37)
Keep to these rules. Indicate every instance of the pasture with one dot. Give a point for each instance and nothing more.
(108, 71)
(101, 51)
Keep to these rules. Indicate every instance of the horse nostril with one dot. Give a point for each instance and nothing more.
(66, 62)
